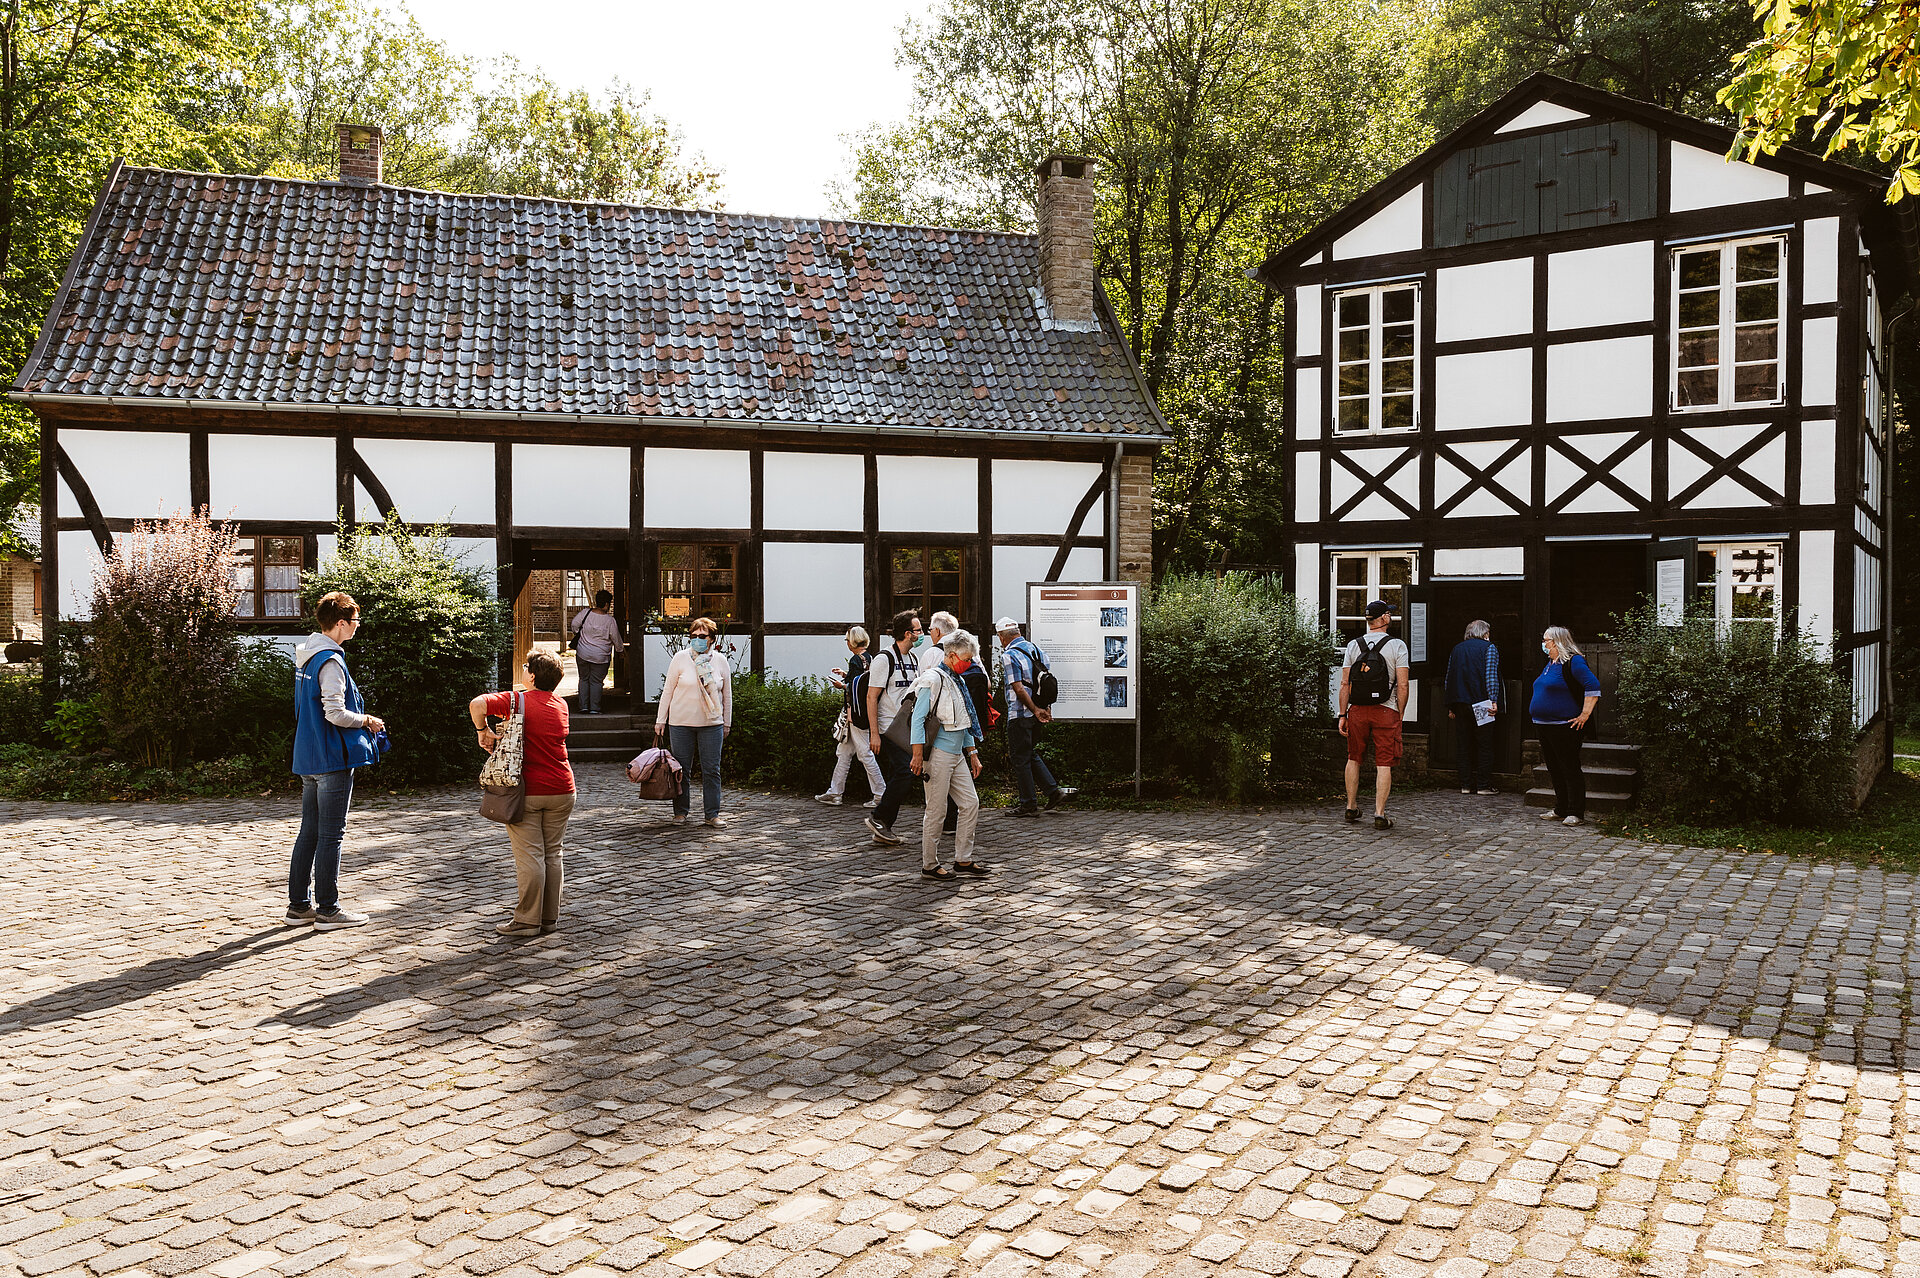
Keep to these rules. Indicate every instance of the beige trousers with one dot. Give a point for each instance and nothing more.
(948, 777)
(536, 858)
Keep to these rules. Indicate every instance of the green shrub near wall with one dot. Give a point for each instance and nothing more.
(23, 708)
(1735, 728)
(782, 735)
(430, 643)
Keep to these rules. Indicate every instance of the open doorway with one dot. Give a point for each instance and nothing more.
(1454, 604)
(562, 584)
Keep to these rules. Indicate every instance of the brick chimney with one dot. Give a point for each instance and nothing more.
(359, 154)
(1065, 208)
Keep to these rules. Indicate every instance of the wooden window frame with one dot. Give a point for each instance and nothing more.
(258, 591)
(1376, 395)
(1727, 326)
(736, 620)
(1723, 586)
(1374, 589)
(926, 605)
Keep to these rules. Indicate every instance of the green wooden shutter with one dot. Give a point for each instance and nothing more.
(1486, 194)
(1597, 175)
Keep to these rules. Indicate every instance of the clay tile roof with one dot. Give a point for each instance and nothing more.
(255, 290)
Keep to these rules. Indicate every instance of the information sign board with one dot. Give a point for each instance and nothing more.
(1090, 632)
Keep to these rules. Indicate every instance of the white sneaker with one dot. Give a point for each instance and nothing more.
(339, 918)
(717, 822)
(1549, 815)
(1466, 791)
(831, 799)
(1486, 792)
(871, 804)
(1572, 821)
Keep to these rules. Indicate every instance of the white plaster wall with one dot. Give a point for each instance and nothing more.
(1612, 284)
(1306, 576)
(1816, 587)
(1820, 263)
(285, 643)
(1588, 381)
(1306, 403)
(1039, 497)
(1306, 320)
(1705, 179)
(328, 547)
(79, 559)
(432, 480)
(1818, 462)
(814, 581)
(271, 477)
(1540, 113)
(1015, 566)
(1487, 299)
(132, 474)
(1819, 347)
(653, 661)
(1394, 229)
(806, 657)
(931, 494)
(1488, 388)
(815, 492)
(473, 552)
(569, 486)
(1480, 561)
(695, 488)
(1306, 487)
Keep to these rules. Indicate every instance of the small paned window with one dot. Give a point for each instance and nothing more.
(576, 591)
(699, 581)
(927, 579)
(1377, 364)
(266, 573)
(1360, 578)
(1740, 582)
(1728, 338)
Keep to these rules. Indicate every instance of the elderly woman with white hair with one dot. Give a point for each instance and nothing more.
(1563, 700)
(1472, 695)
(944, 711)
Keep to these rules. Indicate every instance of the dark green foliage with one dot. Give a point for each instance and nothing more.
(162, 641)
(782, 735)
(431, 641)
(23, 709)
(76, 726)
(1738, 728)
(1235, 676)
(28, 772)
(259, 718)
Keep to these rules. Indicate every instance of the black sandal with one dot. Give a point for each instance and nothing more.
(1383, 823)
(936, 873)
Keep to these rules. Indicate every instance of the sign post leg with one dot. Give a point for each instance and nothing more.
(1136, 753)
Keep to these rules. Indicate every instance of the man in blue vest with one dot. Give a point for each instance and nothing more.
(332, 736)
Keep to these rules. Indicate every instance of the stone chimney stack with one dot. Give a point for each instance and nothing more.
(359, 154)
(1065, 208)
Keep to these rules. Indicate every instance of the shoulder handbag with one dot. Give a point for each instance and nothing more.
(503, 778)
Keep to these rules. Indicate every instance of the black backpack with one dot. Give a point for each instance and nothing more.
(857, 690)
(1046, 689)
(1370, 683)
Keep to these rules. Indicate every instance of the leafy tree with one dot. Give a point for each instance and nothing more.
(1848, 71)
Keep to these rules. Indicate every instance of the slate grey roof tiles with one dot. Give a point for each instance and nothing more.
(264, 290)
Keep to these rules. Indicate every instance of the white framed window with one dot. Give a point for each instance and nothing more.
(1741, 581)
(1361, 576)
(1377, 359)
(1728, 329)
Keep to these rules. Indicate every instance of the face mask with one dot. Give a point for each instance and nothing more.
(1547, 648)
(919, 643)
(701, 643)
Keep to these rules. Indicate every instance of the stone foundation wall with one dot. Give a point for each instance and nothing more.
(1872, 756)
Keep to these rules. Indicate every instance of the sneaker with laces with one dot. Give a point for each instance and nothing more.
(871, 804)
(1060, 795)
(831, 799)
(340, 917)
(881, 834)
(300, 915)
(510, 928)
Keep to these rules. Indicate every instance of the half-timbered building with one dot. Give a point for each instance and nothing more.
(1571, 358)
(791, 425)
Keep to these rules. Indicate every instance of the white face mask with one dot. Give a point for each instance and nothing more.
(1546, 648)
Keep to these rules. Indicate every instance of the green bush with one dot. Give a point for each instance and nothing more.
(1735, 728)
(1235, 679)
(782, 735)
(162, 640)
(258, 722)
(29, 772)
(76, 726)
(431, 641)
(23, 709)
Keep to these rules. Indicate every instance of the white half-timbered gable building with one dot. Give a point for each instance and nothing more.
(1571, 342)
(791, 425)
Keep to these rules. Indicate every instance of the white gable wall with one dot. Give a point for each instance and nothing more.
(1394, 229)
(1040, 496)
(688, 488)
(1819, 347)
(1539, 114)
(1487, 299)
(570, 486)
(1704, 180)
(1487, 388)
(1613, 284)
(1306, 320)
(1820, 261)
(930, 494)
(1592, 381)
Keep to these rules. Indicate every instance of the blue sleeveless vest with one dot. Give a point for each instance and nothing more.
(319, 746)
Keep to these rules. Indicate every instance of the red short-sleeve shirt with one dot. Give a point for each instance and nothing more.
(545, 731)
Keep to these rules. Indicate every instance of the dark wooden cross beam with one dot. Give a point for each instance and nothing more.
(89, 508)
(375, 489)
(1602, 473)
(1079, 517)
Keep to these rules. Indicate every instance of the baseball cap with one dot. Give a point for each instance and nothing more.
(1006, 623)
(1379, 608)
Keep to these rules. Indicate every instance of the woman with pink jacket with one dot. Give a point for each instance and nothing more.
(696, 710)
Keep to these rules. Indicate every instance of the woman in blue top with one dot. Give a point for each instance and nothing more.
(1563, 700)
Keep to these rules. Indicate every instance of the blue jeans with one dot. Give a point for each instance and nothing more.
(593, 677)
(1028, 767)
(316, 849)
(685, 742)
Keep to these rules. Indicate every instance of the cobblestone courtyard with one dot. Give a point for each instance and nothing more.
(1213, 1043)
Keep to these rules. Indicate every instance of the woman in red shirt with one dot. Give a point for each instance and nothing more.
(536, 835)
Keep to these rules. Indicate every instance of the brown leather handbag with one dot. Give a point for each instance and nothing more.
(503, 778)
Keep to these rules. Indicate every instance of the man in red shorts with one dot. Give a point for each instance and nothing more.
(1373, 698)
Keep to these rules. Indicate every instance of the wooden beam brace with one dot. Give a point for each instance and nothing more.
(1098, 486)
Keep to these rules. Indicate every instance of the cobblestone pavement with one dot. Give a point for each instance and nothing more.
(1227, 1043)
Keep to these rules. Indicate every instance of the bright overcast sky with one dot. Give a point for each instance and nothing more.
(763, 89)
